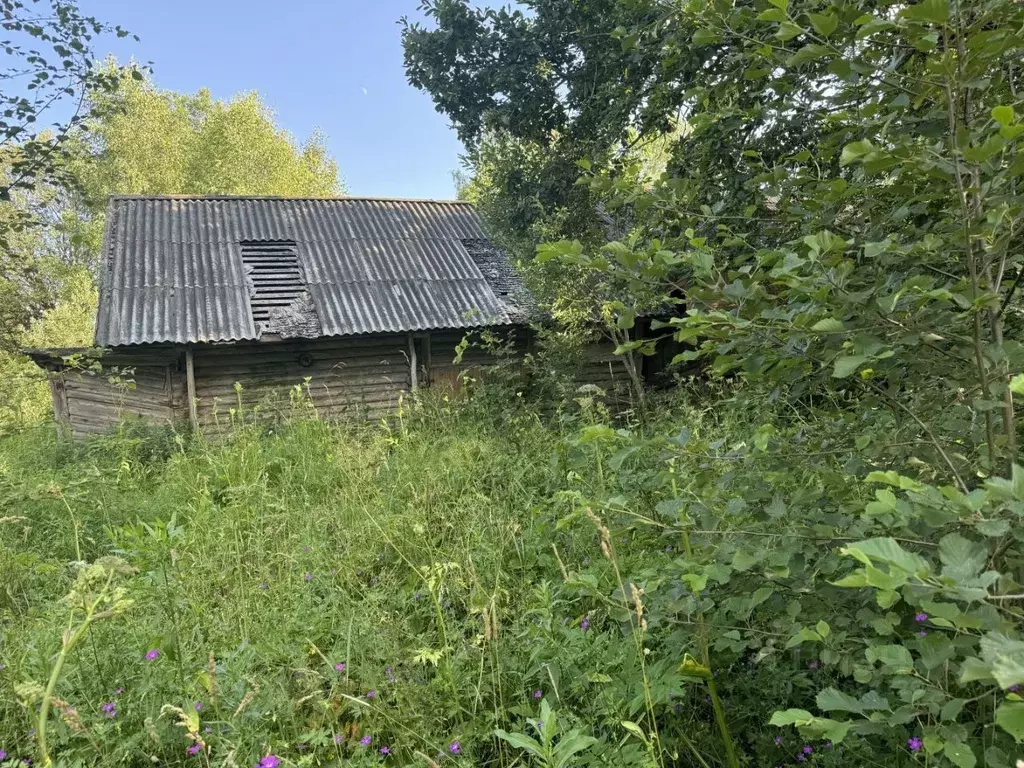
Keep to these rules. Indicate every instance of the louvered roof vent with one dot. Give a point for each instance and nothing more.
(278, 297)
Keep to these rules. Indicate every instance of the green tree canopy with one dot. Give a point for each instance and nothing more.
(151, 141)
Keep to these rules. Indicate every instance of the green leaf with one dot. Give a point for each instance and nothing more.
(933, 11)
(1017, 384)
(1010, 717)
(831, 700)
(963, 559)
(895, 656)
(846, 365)
(521, 741)
(829, 325)
(824, 23)
(888, 551)
(705, 37)
(783, 4)
(855, 151)
(960, 754)
(1003, 115)
(822, 628)
(788, 30)
(772, 14)
(790, 717)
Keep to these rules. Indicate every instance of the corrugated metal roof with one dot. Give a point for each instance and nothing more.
(173, 269)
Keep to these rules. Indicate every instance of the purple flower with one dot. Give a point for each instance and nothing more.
(3, 755)
(119, 691)
(338, 738)
(152, 653)
(199, 706)
(391, 676)
(416, 596)
(540, 723)
(455, 748)
(801, 759)
(366, 741)
(914, 743)
(340, 666)
(110, 708)
(269, 761)
(1013, 688)
(538, 693)
(585, 624)
(194, 749)
(808, 749)
(922, 633)
(385, 750)
(668, 548)
(778, 739)
(921, 617)
(828, 745)
(371, 694)
(308, 576)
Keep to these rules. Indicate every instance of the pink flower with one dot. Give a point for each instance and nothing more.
(915, 744)
(152, 653)
(269, 761)
(194, 749)
(340, 666)
(455, 748)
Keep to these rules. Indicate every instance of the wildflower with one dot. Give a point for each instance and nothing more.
(366, 741)
(338, 738)
(455, 748)
(269, 761)
(416, 596)
(538, 693)
(308, 576)
(110, 708)
(540, 723)
(668, 548)
(373, 580)
(914, 743)
(371, 694)
(808, 749)
(152, 653)
(828, 745)
(340, 666)
(334, 571)
(586, 561)
(194, 749)
(199, 706)
(813, 664)
(207, 729)
(306, 548)
(921, 617)
(391, 676)
(778, 739)
(922, 633)
(3, 755)
(585, 624)
(1013, 688)
(801, 758)
(385, 750)
(119, 691)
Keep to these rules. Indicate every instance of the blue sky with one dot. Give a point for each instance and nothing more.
(332, 64)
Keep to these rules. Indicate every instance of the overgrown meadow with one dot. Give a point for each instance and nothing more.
(475, 585)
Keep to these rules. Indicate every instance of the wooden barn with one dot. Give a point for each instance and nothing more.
(212, 306)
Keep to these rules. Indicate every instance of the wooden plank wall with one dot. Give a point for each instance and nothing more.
(91, 403)
(443, 370)
(362, 376)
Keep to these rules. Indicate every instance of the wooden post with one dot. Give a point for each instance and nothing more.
(190, 386)
(414, 374)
